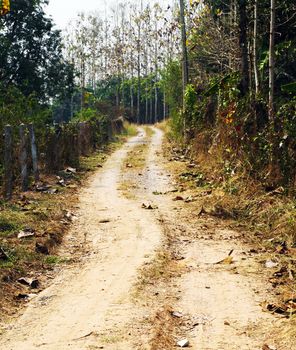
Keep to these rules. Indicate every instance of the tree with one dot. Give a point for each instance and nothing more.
(31, 52)
(185, 69)
(255, 47)
(243, 42)
(271, 111)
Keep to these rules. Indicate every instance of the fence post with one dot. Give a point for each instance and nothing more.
(23, 157)
(8, 170)
(34, 152)
(81, 141)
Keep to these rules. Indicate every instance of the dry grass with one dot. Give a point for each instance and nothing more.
(48, 216)
(130, 129)
(155, 277)
(225, 189)
(133, 165)
(164, 327)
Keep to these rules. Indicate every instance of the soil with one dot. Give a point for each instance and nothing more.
(147, 276)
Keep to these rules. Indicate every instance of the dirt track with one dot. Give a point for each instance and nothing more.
(88, 306)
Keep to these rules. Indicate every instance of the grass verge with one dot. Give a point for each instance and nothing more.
(224, 188)
(33, 224)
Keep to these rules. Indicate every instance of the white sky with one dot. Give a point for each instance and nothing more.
(62, 11)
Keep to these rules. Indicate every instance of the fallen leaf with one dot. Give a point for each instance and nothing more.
(226, 261)
(184, 343)
(31, 282)
(71, 170)
(42, 187)
(149, 206)
(189, 199)
(52, 191)
(27, 297)
(61, 182)
(26, 233)
(270, 264)
(268, 347)
(178, 198)
(177, 314)
(286, 309)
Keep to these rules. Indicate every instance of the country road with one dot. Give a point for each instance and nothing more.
(89, 304)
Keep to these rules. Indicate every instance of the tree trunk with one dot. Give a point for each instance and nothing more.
(139, 67)
(271, 110)
(8, 162)
(34, 152)
(132, 98)
(23, 156)
(164, 105)
(185, 69)
(243, 41)
(255, 47)
(147, 102)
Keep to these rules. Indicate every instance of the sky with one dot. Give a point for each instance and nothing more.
(62, 11)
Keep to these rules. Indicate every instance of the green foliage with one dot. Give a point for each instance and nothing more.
(171, 85)
(31, 56)
(15, 108)
(290, 88)
(191, 106)
(87, 114)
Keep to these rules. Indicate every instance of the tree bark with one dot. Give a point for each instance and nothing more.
(255, 47)
(8, 168)
(243, 41)
(185, 69)
(271, 110)
(23, 156)
(34, 152)
(139, 67)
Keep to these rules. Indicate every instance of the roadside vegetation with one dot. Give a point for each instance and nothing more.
(222, 73)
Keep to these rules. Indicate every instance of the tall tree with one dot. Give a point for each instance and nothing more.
(243, 42)
(185, 69)
(31, 52)
(271, 111)
(255, 47)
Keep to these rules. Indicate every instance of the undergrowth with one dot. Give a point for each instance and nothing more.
(226, 188)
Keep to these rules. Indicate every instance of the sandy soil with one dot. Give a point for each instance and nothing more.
(89, 304)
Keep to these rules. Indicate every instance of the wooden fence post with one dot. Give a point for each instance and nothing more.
(81, 138)
(23, 157)
(34, 152)
(8, 169)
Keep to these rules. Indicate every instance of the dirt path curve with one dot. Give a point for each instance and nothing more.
(72, 312)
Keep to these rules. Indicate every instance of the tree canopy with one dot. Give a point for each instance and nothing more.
(31, 56)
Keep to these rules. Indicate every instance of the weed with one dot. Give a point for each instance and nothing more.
(55, 260)
(130, 129)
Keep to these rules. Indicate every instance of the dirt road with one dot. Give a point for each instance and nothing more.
(89, 304)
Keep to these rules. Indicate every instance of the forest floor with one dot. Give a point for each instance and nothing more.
(150, 267)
